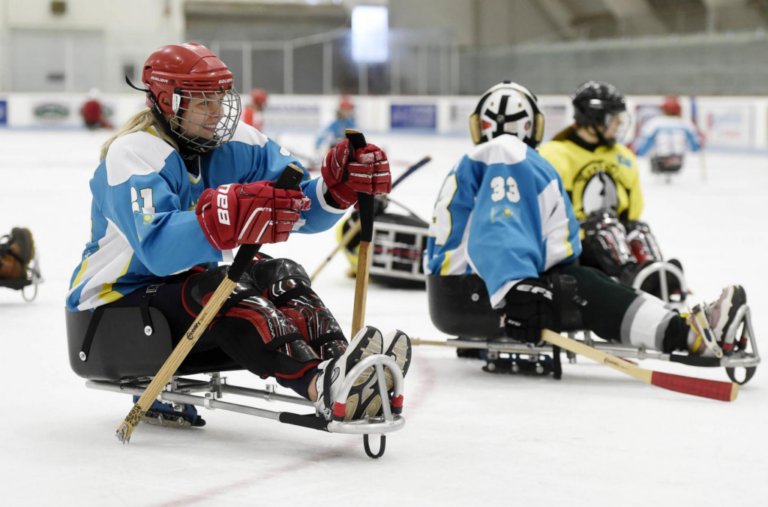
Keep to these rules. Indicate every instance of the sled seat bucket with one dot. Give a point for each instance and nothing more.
(460, 306)
(120, 349)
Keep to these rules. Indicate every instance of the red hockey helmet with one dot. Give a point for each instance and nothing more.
(671, 106)
(259, 97)
(176, 74)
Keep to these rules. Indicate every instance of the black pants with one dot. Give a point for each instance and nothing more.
(250, 329)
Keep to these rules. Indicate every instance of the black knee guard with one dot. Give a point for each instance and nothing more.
(250, 329)
(605, 244)
(287, 285)
(642, 242)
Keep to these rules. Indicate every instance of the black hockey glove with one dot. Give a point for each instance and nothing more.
(529, 309)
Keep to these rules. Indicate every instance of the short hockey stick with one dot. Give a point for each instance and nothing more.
(354, 228)
(713, 389)
(290, 178)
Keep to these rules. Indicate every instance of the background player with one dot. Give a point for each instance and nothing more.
(180, 185)
(93, 112)
(17, 250)
(334, 132)
(601, 177)
(666, 139)
(504, 217)
(253, 114)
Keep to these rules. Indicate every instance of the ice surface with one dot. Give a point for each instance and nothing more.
(471, 438)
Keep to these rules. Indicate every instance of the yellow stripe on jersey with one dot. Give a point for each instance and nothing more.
(83, 267)
(568, 246)
(109, 295)
(446, 266)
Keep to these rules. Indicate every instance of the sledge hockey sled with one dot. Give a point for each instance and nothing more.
(460, 306)
(22, 284)
(121, 349)
(661, 269)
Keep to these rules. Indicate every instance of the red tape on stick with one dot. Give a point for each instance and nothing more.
(713, 389)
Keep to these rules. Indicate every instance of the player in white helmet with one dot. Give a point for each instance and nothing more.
(502, 257)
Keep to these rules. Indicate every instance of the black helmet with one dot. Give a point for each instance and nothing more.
(593, 101)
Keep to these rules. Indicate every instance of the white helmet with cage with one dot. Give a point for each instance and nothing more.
(507, 108)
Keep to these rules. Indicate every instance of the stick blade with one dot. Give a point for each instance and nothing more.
(712, 389)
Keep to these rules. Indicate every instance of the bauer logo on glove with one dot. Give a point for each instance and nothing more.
(254, 213)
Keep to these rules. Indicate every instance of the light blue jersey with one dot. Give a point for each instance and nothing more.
(143, 218)
(335, 132)
(667, 136)
(503, 214)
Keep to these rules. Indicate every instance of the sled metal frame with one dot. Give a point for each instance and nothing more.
(738, 359)
(182, 390)
(33, 279)
(662, 267)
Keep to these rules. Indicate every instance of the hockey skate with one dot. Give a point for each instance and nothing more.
(710, 326)
(19, 264)
(396, 345)
(367, 343)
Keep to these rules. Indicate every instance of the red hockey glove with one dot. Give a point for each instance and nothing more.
(254, 213)
(368, 173)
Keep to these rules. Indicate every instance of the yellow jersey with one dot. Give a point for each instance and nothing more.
(596, 177)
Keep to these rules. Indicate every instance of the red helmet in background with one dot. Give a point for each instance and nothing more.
(345, 103)
(671, 106)
(259, 97)
(175, 74)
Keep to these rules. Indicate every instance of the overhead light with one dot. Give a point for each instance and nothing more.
(370, 34)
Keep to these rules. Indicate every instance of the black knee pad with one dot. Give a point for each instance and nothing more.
(605, 243)
(204, 283)
(268, 272)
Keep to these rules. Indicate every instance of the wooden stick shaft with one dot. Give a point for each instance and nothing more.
(354, 229)
(178, 355)
(361, 286)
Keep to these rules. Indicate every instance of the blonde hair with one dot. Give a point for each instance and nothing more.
(137, 123)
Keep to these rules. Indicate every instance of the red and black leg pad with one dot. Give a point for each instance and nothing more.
(286, 284)
(253, 332)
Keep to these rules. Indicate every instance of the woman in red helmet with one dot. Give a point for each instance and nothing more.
(179, 186)
(253, 114)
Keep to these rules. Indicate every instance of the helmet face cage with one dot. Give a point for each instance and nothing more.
(205, 120)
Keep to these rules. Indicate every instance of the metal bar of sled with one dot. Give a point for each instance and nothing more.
(388, 423)
(264, 395)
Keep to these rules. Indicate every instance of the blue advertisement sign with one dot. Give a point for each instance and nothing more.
(413, 116)
(3, 112)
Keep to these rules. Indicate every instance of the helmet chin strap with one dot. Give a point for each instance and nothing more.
(602, 140)
(184, 149)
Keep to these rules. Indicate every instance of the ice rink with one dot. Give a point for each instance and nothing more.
(472, 438)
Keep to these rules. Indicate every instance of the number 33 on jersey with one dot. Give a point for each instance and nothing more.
(502, 213)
